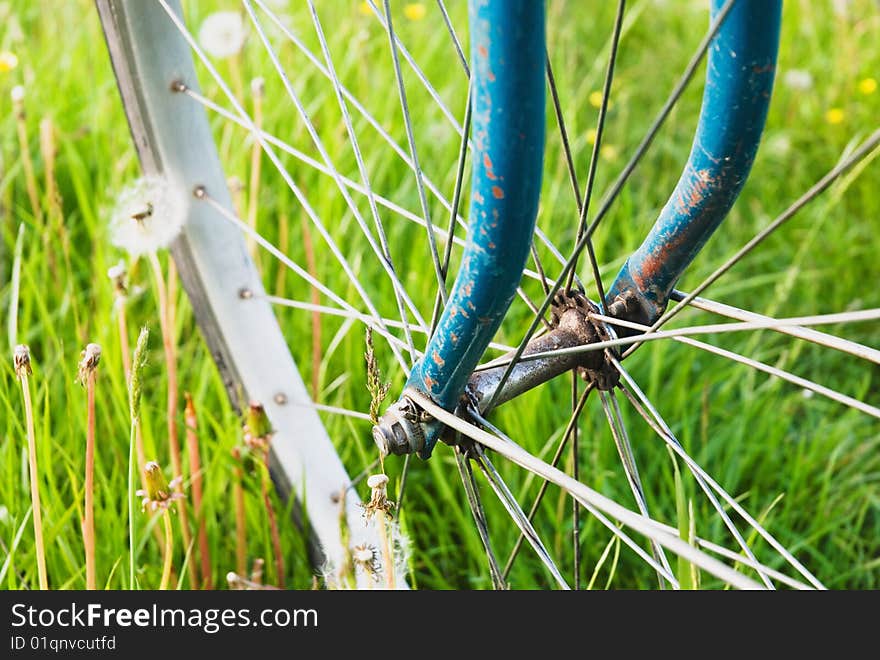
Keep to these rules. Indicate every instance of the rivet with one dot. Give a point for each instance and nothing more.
(280, 398)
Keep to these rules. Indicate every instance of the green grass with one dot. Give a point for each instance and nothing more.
(807, 467)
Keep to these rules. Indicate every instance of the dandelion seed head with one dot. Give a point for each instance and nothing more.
(149, 214)
(798, 79)
(17, 94)
(21, 360)
(807, 394)
(222, 34)
(779, 145)
(377, 481)
(91, 356)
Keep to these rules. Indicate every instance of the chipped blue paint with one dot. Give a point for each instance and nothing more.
(507, 61)
(739, 80)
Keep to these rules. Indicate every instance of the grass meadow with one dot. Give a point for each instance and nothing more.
(807, 467)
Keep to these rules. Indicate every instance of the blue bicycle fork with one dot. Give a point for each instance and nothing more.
(508, 54)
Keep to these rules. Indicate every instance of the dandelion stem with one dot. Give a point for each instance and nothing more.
(240, 525)
(273, 524)
(125, 348)
(387, 557)
(89, 513)
(165, 317)
(134, 402)
(22, 363)
(169, 551)
(195, 467)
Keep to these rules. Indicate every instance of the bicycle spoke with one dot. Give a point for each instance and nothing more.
(818, 188)
(373, 320)
(270, 152)
(384, 19)
(517, 515)
(597, 514)
(383, 240)
(615, 190)
(627, 460)
(814, 336)
(583, 207)
(566, 434)
(336, 410)
(410, 137)
(365, 318)
(476, 506)
(666, 434)
(593, 501)
(764, 323)
(454, 36)
(453, 213)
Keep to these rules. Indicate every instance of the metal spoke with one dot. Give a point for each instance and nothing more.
(479, 515)
(583, 207)
(270, 152)
(517, 514)
(396, 46)
(454, 36)
(377, 126)
(814, 336)
(373, 320)
(362, 169)
(333, 311)
(615, 529)
(615, 189)
(453, 213)
(627, 460)
(407, 120)
(666, 434)
(570, 428)
(763, 323)
(818, 188)
(591, 499)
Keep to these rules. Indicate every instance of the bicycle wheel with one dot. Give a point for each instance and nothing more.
(369, 143)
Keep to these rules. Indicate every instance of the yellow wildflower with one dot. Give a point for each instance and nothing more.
(868, 86)
(592, 134)
(596, 99)
(414, 11)
(364, 8)
(8, 61)
(608, 152)
(835, 116)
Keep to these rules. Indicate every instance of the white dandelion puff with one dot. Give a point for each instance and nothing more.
(779, 144)
(798, 79)
(222, 34)
(149, 214)
(17, 94)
